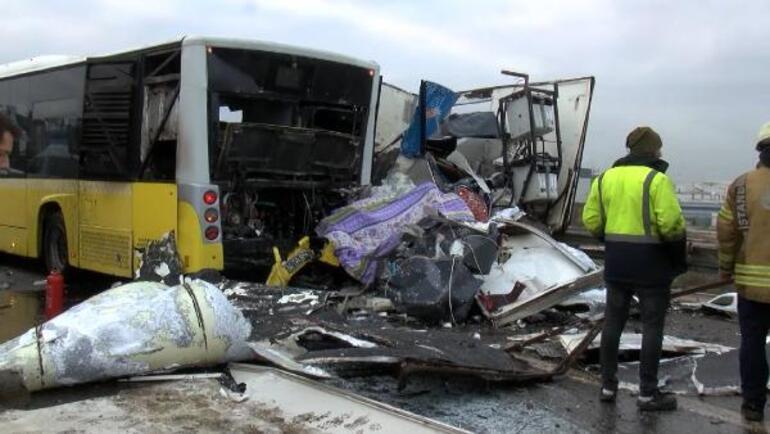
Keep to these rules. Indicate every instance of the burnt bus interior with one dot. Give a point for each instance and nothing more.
(286, 144)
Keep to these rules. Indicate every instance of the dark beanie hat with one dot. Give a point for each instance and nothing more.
(643, 141)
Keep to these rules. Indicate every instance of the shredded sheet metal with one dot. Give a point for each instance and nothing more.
(369, 229)
(285, 361)
(550, 272)
(633, 341)
(133, 329)
(536, 263)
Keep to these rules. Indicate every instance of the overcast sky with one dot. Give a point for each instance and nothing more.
(697, 71)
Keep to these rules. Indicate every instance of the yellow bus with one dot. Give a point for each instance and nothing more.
(235, 146)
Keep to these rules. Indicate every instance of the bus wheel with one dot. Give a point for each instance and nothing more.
(55, 243)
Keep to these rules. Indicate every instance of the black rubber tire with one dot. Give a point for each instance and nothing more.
(54, 246)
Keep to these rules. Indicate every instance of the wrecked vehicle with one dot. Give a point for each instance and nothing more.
(542, 126)
(290, 136)
(236, 146)
(508, 157)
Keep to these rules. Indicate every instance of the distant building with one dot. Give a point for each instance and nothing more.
(702, 192)
(701, 202)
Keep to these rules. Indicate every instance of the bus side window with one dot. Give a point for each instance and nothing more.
(160, 115)
(54, 135)
(14, 104)
(56, 115)
(158, 146)
(105, 150)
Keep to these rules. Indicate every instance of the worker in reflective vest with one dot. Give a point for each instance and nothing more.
(634, 209)
(743, 230)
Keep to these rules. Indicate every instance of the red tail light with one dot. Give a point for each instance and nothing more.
(212, 232)
(210, 197)
(211, 215)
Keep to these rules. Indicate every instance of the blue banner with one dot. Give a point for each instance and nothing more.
(438, 102)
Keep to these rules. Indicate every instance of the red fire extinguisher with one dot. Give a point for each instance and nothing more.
(54, 294)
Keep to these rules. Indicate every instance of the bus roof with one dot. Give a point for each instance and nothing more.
(38, 63)
(253, 44)
(41, 63)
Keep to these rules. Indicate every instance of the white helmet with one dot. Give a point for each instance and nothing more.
(764, 135)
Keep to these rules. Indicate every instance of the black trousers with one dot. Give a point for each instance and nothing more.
(653, 303)
(754, 318)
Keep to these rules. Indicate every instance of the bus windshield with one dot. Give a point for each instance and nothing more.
(280, 115)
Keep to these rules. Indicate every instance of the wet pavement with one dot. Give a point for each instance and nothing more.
(568, 404)
(19, 311)
(22, 293)
(21, 300)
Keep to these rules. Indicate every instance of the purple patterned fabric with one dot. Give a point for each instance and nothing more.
(368, 230)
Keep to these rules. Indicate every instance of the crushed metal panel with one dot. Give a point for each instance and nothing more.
(328, 408)
(546, 299)
(283, 360)
(633, 342)
(408, 353)
(577, 273)
(437, 346)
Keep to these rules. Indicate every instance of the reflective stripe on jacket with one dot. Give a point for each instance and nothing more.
(634, 209)
(743, 231)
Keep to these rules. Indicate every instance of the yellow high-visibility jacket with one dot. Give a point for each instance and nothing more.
(743, 230)
(634, 209)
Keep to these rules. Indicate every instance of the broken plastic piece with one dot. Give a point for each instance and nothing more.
(283, 271)
(726, 304)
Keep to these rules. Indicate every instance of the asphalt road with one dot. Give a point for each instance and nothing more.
(568, 404)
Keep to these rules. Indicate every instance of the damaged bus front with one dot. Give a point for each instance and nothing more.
(289, 133)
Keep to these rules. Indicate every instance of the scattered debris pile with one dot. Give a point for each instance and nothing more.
(404, 277)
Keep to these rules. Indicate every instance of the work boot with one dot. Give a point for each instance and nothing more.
(657, 402)
(752, 412)
(608, 395)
